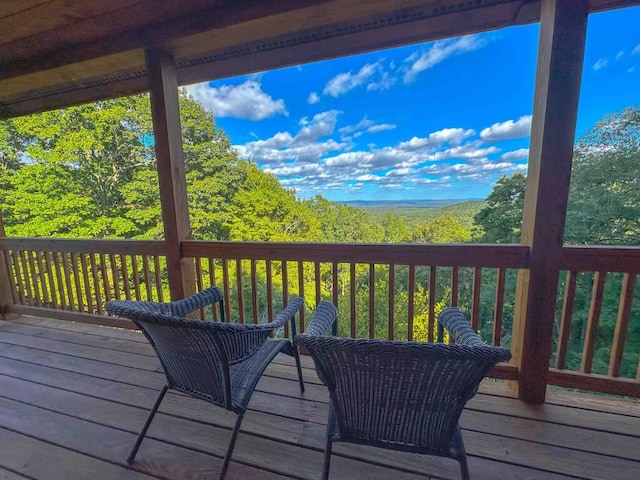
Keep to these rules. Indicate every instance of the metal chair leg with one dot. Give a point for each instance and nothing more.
(327, 459)
(143, 432)
(232, 443)
(296, 355)
(464, 469)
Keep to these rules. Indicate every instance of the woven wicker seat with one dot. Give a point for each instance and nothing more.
(404, 396)
(218, 362)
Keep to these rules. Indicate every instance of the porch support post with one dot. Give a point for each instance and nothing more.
(165, 112)
(563, 25)
(6, 292)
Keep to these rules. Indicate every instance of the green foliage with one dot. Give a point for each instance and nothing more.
(500, 221)
(445, 229)
(604, 200)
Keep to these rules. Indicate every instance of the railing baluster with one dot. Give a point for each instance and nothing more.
(76, 280)
(34, 278)
(498, 307)
(334, 274)
(240, 289)
(622, 323)
(285, 293)
(372, 301)
(147, 277)
(114, 275)
(87, 285)
(157, 274)
(454, 286)
(316, 267)
(475, 308)
(125, 277)
(136, 276)
(67, 278)
(105, 277)
(269, 274)
(227, 296)
(60, 287)
(96, 283)
(567, 317)
(392, 293)
(410, 301)
(301, 293)
(254, 292)
(43, 278)
(432, 303)
(212, 281)
(352, 298)
(594, 321)
(199, 282)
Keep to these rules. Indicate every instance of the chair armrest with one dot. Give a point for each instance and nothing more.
(458, 327)
(288, 314)
(202, 299)
(323, 319)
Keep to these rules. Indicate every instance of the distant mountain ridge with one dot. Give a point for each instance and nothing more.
(409, 203)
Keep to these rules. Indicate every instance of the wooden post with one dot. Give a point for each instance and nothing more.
(563, 25)
(6, 291)
(165, 112)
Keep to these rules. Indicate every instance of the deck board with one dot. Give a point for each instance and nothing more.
(81, 392)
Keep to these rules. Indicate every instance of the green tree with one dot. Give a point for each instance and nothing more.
(444, 229)
(500, 221)
(604, 199)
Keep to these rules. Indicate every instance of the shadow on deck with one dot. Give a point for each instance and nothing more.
(74, 396)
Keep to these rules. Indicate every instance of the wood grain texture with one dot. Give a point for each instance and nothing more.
(93, 419)
(558, 77)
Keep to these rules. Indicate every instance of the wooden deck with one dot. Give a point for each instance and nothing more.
(73, 397)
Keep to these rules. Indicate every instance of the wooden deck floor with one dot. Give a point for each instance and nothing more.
(73, 397)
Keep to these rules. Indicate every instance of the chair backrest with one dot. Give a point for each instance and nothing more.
(406, 395)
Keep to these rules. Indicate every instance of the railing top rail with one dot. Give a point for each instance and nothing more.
(463, 255)
(596, 258)
(73, 245)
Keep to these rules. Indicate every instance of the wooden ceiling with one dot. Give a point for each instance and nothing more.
(56, 53)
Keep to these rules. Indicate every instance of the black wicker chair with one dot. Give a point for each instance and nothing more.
(404, 396)
(218, 362)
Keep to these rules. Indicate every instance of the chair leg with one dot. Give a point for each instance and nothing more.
(327, 459)
(296, 355)
(232, 443)
(464, 468)
(143, 432)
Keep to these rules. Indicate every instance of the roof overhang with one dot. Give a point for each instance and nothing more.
(73, 61)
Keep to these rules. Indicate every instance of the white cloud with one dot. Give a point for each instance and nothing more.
(385, 82)
(313, 98)
(631, 69)
(620, 54)
(636, 49)
(305, 146)
(453, 136)
(507, 130)
(246, 100)
(381, 127)
(439, 52)
(601, 63)
(365, 126)
(515, 155)
(344, 82)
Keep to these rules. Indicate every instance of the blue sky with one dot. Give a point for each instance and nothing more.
(440, 120)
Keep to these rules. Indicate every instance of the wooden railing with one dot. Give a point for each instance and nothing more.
(382, 291)
(595, 312)
(72, 279)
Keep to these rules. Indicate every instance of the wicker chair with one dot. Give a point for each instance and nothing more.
(218, 362)
(404, 396)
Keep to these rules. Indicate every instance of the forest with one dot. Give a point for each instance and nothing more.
(89, 172)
